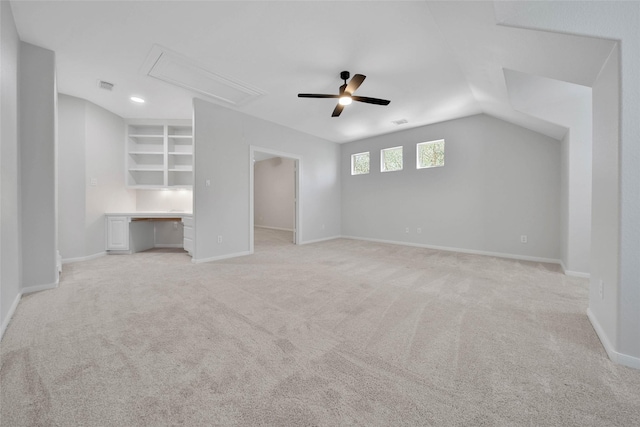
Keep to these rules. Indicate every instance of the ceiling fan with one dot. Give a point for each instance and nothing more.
(346, 94)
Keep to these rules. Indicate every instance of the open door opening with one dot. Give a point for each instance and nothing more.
(274, 198)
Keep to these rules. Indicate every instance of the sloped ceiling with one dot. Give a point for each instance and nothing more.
(435, 61)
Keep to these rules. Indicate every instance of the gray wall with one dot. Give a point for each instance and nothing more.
(10, 252)
(274, 193)
(37, 131)
(105, 151)
(71, 177)
(499, 182)
(222, 143)
(605, 209)
(616, 21)
(91, 145)
(574, 113)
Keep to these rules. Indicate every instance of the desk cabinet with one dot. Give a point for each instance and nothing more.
(188, 234)
(117, 233)
(135, 232)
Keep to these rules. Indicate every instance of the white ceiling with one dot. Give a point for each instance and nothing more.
(435, 61)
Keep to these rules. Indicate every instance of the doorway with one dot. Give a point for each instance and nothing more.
(274, 199)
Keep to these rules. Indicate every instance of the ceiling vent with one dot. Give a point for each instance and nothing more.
(171, 67)
(400, 122)
(105, 85)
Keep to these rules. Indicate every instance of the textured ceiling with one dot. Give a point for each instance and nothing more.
(435, 61)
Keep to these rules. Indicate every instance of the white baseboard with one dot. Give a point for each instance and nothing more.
(221, 257)
(14, 305)
(38, 288)
(620, 358)
(83, 258)
(574, 273)
(324, 239)
(168, 245)
(7, 319)
(273, 228)
(460, 250)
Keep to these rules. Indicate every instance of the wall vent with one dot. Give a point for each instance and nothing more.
(178, 70)
(105, 85)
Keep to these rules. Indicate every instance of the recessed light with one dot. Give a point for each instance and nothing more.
(137, 99)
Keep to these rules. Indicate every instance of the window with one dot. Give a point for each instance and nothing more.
(391, 159)
(430, 154)
(360, 163)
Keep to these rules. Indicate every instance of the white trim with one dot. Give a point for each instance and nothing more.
(83, 258)
(273, 228)
(620, 358)
(464, 251)
(324, 239)
(574, 273)
(577, 274)
(221, 257)
(38, 288)
(168, 245)
(7, 319)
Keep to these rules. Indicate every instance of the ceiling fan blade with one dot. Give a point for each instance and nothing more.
(316, 95)
(376, 101)
(337, 110)
(355, 83)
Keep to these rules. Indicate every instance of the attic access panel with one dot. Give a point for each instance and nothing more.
(173, 68)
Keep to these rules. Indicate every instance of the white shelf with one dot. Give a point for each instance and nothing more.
(159, 154)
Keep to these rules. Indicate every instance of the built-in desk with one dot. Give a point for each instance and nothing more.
(129, 232)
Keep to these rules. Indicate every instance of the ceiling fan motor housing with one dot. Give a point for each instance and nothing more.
(344, 75)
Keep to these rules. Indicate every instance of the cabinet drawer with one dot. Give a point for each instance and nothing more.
(188, 232)
(187, 221)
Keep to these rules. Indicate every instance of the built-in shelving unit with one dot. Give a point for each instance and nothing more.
(159, 154)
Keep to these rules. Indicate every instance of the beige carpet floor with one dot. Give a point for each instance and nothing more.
(336, 333)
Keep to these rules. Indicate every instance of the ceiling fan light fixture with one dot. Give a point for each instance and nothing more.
(345, 100)
(345, 95)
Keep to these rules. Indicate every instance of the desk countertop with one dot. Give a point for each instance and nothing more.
(151, 214)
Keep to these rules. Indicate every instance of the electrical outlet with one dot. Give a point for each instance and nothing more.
(219, 239)
(207, 183)
(601, 289)
(419, 230)
(523, 238)
(94, 182)
(406, 230)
